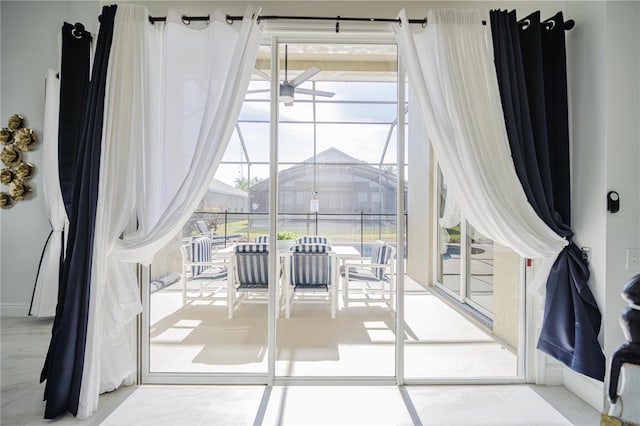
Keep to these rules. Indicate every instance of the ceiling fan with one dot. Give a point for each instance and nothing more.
(288, 88)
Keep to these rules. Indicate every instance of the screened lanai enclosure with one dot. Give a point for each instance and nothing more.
(337, 177)
(337, 150)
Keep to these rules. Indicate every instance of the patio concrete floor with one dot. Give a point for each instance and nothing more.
(440, 341)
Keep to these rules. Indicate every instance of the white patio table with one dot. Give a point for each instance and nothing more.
(341, 253)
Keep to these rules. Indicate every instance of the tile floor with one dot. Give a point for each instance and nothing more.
(24, 343)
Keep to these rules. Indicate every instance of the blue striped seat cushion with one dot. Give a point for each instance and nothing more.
(252, 248)
(200, 251)
(313, 239)
(381, 254)
(310, 266)
(252, 262)
(262, 239)
(311, 248)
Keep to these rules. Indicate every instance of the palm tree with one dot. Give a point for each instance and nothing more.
(244, 184)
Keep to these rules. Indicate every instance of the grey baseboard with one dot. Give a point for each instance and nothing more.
(14, 309)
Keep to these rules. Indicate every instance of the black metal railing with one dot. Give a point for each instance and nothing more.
(355, 229)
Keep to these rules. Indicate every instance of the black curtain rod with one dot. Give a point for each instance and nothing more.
(231, 19)
(568, 24)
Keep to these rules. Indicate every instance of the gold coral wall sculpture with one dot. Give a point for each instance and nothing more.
(16, 140)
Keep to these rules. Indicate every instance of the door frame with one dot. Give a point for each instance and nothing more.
(274, 34)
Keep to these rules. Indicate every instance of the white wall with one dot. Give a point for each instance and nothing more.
(604, 66)
(29, 48)
(623, 154)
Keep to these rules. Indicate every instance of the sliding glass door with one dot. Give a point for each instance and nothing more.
(337, 170)
(482, 282)
(198, 327)
(337, 175)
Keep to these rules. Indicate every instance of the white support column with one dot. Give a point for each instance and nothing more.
(464, 259)
(400, 229)
(143, 345)
(273, 214)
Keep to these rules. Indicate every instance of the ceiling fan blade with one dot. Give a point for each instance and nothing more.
(263, 75)
(306, 74)
(315, 92)
(259, 91)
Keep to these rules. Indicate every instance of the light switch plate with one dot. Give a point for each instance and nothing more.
(633, 259)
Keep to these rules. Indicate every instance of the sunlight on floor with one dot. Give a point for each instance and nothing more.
(440, 342)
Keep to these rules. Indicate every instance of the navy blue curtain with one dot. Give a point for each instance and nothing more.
(74, 87)
(530, 60)
(74, 66)
(64, 362)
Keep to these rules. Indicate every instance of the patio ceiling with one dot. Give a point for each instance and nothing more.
(338, 62)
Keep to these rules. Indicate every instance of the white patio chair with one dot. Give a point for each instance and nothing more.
(250, 278)
(379, 269)
(199, 266)
(310, 276)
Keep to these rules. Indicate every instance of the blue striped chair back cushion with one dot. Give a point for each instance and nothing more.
(200, 252)
(380, 254)
(313, 239)
(310, 265)
(261, 239)
(252, 261)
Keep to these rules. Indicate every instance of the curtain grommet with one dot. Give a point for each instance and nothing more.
(78, 30)
(524, 24)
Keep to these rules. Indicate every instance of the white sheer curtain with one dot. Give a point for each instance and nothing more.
(449, 64)
(45, 294)
(173, 96)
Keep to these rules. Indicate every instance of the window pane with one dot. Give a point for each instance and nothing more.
(254, 111)
(256, 139)
(367, 113)
(480, 270)
(262, 88)
(296, 142)
(299, 111)
(448, 240)
(234, 149)
(376, 91)
(363, 142)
